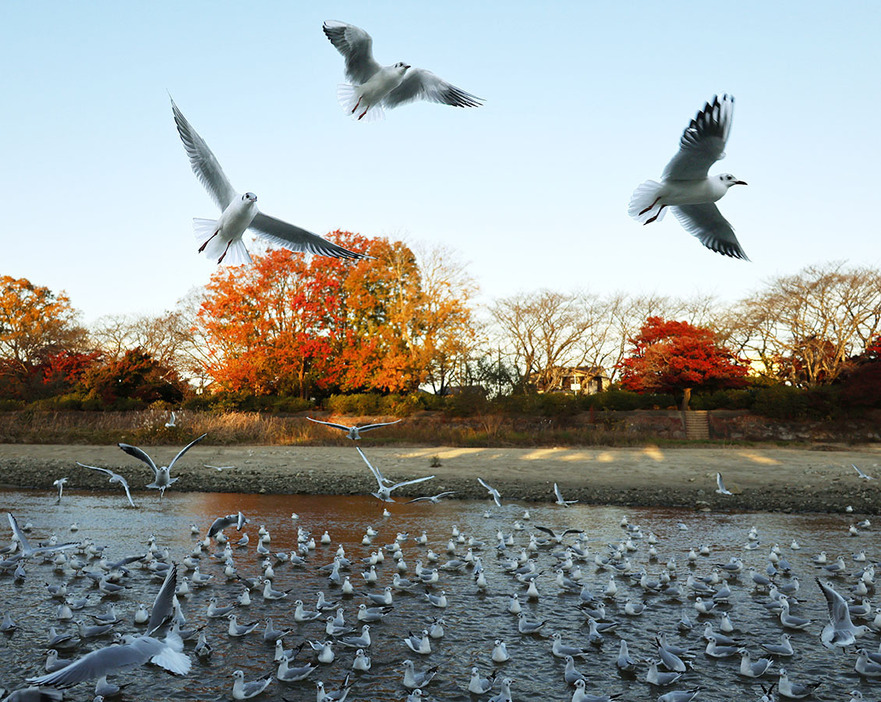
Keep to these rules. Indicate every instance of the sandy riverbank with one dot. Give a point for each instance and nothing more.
(763, 478)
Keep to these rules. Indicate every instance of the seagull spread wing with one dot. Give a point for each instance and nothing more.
(356, 46)
(703, 141)
(297, 239)
(368, 427)
(423, 84)
(411, 482)
(375, 471)
(19, 534)
(203, 162)
(185, 449)
(104, 661)
(141, 455)
(163, 604)
(103, 470)
(706, 223)
(330, 424)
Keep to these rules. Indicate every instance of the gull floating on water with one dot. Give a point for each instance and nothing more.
(379, 86)
(222, 238)
(688, 190)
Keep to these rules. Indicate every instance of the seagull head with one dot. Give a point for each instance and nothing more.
(249, 197)
(730, 180)
(402, 67)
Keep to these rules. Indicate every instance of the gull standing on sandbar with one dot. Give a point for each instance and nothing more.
(685, 186)
(222, 238)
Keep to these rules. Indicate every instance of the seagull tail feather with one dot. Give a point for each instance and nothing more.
(350, 100)
(642, 203)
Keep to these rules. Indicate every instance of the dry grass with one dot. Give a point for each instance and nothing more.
(233, 428)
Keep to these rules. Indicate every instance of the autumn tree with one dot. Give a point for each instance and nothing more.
(677, 357)
(291, 325)
(34, 324)
(134, 377)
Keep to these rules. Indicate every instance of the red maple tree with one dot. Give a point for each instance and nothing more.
(678, 357)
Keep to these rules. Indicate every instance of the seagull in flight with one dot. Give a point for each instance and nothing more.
(222, 238)
(384, 491)
(161, 476)
(560, 501)
(720, 486)
(27, 551)
(137, 650)
(434, 499)
(354, 433)
(492, 491)
(840, 631)
(170, 424)
(688, 190)
(378, 86)
(861, 474)
(114, 478)
(60, 485)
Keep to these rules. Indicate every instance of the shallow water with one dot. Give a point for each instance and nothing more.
(473, 620)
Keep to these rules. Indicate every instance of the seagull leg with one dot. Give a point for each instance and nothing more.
(658, 214)
(202, 247)
(223, 255)
(363, 113)
(650, 206)
(356, 106)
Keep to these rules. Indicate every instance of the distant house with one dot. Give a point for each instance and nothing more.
(581, 380)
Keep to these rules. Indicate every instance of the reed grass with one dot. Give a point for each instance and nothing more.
(147, 428)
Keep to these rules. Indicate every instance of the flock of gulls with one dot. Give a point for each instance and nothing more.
(686, 188)
(329, 615)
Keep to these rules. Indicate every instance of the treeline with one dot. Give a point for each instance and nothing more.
(291, 333)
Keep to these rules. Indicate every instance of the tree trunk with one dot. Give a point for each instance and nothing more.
(686, 396)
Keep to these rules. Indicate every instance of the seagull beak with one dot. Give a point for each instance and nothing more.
(740, 182)
(406, 66)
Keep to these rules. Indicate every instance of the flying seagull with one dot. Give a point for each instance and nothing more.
(237, 520)
(384, 491)
(688, 190)
(434, 499)
(560, 501)
(720, 486)
(861, 474)
(60, 485)
(27, 551)
(492, 491)
(161, 476)
(114, 478)
(354, 433)
(378, 86)
(222, 238)
(840, 631)
(137, 650)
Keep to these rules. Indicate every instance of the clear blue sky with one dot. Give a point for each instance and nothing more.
(584, 100)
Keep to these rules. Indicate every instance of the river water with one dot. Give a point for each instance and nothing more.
(473, 619)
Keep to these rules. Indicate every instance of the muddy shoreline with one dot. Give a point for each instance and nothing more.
(772, 479)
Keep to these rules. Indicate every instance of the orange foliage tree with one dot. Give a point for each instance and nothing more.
(291, 325)
(677, 357)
